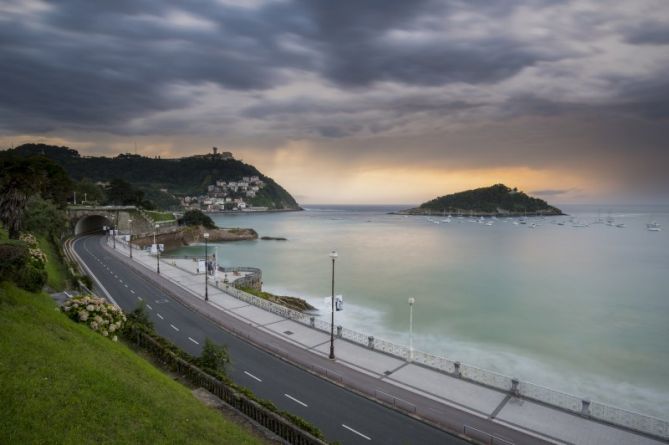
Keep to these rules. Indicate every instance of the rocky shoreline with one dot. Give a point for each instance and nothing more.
(185, 236)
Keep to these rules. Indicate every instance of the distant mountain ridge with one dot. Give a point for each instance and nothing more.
(495, 200)
(181, 176)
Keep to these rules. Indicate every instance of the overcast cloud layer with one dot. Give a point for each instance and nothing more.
(554, 86)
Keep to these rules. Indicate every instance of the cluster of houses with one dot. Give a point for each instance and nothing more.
(227, 195)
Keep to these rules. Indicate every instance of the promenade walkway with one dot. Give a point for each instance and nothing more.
(545, 422)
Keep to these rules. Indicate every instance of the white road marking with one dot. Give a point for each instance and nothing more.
(160, 316)
(125, 285)
(174, 327)
(149, 306)
(194, 341)
(140, 298)
(132, 291)
(356, 432)
(295, 400)
(252, 376)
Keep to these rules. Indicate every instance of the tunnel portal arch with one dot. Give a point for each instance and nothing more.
(91, 224)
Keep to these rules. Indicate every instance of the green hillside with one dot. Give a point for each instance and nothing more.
(64, 383)
(495, 200)
(181, 176)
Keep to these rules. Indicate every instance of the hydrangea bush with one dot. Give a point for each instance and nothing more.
(36, 256)
(96, 313)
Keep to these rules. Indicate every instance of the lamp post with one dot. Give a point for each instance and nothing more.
(157, 250)
(206, 269)
(114, 230)
(412, 300)
(333, 255)
(130, 239)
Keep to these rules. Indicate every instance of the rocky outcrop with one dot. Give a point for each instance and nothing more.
(184, 236)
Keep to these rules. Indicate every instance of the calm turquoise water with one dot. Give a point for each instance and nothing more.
(582, 310)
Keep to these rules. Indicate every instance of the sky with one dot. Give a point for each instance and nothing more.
(349, 101)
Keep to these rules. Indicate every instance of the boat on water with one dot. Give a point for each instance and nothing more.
(653, 226)
(580, 224)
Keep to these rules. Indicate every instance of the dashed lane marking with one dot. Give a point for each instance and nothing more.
(194, 341)
(160, 316)
(174, 327)
(132, 291)
(252, 376)
(356, 432)
(149, 307)
(296, 401)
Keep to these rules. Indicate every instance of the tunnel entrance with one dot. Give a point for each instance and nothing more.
(91, 224)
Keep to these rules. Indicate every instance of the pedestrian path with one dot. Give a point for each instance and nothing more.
(546, 422)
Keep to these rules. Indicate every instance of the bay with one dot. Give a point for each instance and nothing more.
(584, 310)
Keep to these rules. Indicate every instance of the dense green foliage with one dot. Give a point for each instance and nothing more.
(183, 176)
(23, 177)
(63, 383)
(196, 218)
(490, 200)
(121, 192)
(43, 217)
(20, 266)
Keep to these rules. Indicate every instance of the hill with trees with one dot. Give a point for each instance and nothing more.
(152, 175)
(495, 200)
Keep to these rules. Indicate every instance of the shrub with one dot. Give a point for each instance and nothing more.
(96, 313)
(214, 357)
(30, 277)
(139, 319)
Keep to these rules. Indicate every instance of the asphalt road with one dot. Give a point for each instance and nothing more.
(341, 414)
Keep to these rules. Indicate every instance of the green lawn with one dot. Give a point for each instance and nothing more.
(63, 383)
(160, 216)
(55, 269)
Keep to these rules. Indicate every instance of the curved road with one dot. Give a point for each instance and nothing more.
(341, 414)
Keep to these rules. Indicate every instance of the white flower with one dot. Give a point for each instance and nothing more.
(112, 327)
(105, 333)
(83, 315)
(114, 338)
(94, 326)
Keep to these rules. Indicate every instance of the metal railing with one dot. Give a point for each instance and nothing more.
(567, 402)
(268, 419)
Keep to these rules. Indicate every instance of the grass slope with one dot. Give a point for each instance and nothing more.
(55, 269)
(63, 383)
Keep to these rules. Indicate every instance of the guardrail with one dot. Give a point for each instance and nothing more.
(268, 419)
(564, 401)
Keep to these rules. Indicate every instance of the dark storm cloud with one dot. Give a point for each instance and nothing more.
(100, 66)
(649, 33)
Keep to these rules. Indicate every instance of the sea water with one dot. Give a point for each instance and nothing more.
(583, 310)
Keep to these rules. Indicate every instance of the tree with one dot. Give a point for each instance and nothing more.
(19, 180)
(121, 192)
(197, 218)
(214, 357)
(43, 217)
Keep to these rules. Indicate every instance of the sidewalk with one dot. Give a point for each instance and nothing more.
(537, 419)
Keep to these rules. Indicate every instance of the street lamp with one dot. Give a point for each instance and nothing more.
(114, 230)
(157, 250)
(130, 239)
(412, 300)
(206, 269)
(333, 255)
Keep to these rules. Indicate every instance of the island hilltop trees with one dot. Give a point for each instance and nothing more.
(494, 200)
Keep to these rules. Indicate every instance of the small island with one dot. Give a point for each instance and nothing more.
(497, 200)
